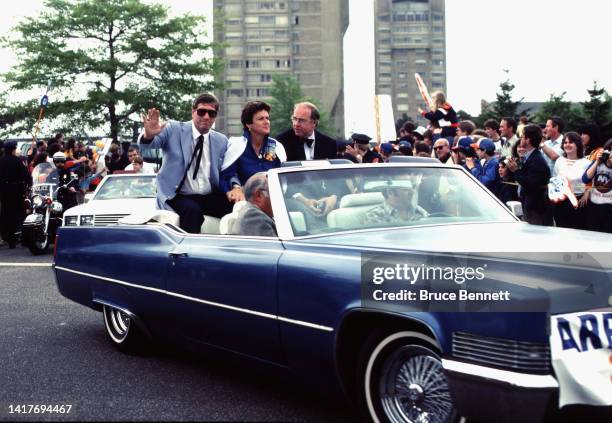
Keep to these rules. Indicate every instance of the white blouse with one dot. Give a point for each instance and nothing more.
(573, 171)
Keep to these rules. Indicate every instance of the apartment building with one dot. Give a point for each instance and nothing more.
(410, 37)
(302, 38)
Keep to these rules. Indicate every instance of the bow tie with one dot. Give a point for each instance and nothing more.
(308, 142)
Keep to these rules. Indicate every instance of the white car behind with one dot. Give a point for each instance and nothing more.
(117, 196)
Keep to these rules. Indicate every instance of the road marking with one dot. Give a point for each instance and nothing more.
(26, 264)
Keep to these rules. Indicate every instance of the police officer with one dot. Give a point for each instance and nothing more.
(67, 195)
(14, 179)
(362, 151)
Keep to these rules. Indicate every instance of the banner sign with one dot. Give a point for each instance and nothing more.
(581, 353)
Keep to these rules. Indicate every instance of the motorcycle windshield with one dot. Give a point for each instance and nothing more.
(41, 172)
(44, 180)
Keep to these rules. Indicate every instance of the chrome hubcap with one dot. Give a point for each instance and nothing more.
(415, 392)
(413, 388)
(117, 323)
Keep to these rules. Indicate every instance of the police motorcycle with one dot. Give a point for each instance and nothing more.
(50, 196)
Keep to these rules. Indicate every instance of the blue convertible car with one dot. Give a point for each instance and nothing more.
(407, 287)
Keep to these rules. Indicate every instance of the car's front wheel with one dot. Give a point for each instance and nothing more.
(123, 331)
(403, 381)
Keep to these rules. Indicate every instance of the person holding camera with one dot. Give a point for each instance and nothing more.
(599, 209)
(487, 174)
(532, 173)
(464, 153)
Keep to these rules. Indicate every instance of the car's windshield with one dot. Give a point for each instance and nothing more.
(126, 187)
(332, 200)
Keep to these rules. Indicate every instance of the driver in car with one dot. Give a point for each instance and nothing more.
(397, 207)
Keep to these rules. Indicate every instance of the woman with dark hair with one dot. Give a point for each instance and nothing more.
(508, 188)
(251, 153)
(591, 139)
(572, 166)
(593, 144)
(70, 149)
(599, 211)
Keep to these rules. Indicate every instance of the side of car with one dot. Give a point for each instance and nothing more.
(179, 287)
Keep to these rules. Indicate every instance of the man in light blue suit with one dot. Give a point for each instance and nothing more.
(188, 181)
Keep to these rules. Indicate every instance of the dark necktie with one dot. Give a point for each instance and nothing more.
(199, 148)
(308, 142)
(196, 151)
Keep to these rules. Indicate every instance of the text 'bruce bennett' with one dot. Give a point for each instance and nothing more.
(425, 295)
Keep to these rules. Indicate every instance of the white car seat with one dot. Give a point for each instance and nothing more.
(352, 210)
(210, 225)
(227, 221)
(298, 221)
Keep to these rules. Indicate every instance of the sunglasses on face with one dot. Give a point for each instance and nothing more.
(203, 112)
(440, 147)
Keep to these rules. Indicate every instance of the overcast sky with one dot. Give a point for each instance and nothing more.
(548, 46)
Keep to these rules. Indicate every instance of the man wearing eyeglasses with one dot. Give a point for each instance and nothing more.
(188, 181)
(303, 141)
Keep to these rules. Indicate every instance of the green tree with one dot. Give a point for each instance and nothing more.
(109, 61)
(598, 109)
(286, 92)
(558, 106)
(503, 106)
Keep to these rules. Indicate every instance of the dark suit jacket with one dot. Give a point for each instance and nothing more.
(533, 178)
(325, 147)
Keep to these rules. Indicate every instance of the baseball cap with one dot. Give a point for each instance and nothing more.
(386, 148)
(485, 144)
(465, 143)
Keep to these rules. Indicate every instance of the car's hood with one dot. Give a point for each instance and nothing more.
(546, 269)
(474, 237)
(118, 206)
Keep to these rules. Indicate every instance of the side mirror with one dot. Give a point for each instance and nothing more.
(88, 197)
(516, 208)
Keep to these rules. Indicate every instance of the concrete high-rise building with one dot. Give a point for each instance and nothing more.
(302, 38)
(410, 37)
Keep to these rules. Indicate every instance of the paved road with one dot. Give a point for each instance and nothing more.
(54, 351)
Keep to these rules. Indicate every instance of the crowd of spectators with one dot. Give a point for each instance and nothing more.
(88, 164)
(561, 178)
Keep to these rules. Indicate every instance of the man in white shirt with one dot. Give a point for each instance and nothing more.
(551, 148)
(145, 167)
(303, 141)
(507, 127)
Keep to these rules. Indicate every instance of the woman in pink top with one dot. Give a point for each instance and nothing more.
(572, 165)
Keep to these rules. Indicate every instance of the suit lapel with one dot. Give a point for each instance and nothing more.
(213, 147)
(317, 147)
(187, 143)
(299, 148)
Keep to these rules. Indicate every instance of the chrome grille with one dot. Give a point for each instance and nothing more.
(505, 354)
(107, 219)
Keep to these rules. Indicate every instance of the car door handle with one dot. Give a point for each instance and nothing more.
(177, 254)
